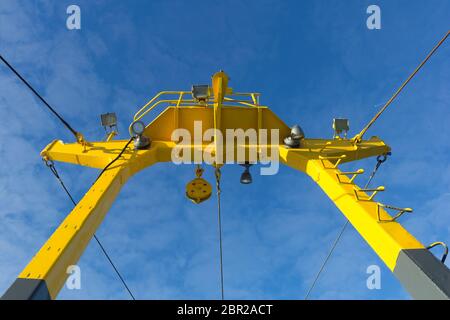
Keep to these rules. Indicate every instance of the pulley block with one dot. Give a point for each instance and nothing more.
(198, 190)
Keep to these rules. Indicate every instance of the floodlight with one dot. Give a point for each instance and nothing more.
(246, 177)
(200, 92)
(138, 128)
(340, 125)
(109, 119)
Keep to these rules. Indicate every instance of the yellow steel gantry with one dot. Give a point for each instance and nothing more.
(418, 270)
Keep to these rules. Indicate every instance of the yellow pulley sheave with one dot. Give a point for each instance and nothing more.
(198, 189)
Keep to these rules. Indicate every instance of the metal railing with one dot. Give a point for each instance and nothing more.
(179, 100)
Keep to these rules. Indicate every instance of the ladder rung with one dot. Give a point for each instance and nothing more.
(354, 173)
(328, 143)
(401, 211)
(338, 158)
(374, 192)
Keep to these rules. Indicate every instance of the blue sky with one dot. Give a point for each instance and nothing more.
(311, 60)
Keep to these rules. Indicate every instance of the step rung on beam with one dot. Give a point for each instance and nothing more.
(374, 192)
(354, 173)
(401, 211)
(337, 158)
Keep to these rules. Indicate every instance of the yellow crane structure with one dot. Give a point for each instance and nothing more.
(218, 107)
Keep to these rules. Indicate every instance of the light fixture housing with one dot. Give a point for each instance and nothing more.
(294, 139)
(109, 123)
(109, 119)
(200, 92)
(246, 176)
(138, 128)
(140, 140)
(340, 125)
(297, 132)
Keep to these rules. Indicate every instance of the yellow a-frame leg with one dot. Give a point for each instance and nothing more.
(424, 276)
(46, 273)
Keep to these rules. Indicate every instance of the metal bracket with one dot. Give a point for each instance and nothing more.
(374, 193)
(401, 211)
(440, 243)
(354, 173)
(337, 158)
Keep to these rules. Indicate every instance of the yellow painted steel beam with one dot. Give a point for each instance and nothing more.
(220, 84)
(68, 242)
(99, 154)
(92, 154)
(47, 271)
(172, 118)
(386, 239)
(419, 271)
